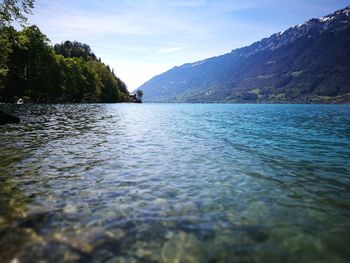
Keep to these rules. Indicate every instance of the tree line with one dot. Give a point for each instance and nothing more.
(68, 72)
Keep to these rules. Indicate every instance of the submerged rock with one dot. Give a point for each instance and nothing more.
(6, 118)
(182, 248)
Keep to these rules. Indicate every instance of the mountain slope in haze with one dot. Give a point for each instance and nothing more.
(306, 63)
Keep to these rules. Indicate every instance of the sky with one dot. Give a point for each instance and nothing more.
(143, 38)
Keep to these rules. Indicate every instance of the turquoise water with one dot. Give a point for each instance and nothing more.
(176, 183)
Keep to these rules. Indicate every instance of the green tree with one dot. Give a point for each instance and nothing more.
(79, 82)
(108, 82)
(32, 68)
(39, 63)
(5, 50)
(74, 49)
(17, 10)
(12, 75)
(10, 10)
(108, 88)
(139, 94)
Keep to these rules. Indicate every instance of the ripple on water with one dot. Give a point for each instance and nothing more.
(175, 183)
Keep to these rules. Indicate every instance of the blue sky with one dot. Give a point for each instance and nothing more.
(143, 38)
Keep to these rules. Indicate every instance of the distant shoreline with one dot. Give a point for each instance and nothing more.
(262, 103)
(159, 102)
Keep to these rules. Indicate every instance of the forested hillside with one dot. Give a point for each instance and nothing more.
(32, 69)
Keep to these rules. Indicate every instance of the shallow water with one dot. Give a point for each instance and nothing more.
(176, 183)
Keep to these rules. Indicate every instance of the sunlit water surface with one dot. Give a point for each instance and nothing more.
(176, 183)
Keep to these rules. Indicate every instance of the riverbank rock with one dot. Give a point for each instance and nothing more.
(6, 118)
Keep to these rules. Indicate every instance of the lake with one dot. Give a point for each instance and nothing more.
(175, 183)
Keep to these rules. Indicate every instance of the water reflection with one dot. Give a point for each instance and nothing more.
(175, 183)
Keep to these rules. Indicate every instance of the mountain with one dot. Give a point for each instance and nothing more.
(309, 62)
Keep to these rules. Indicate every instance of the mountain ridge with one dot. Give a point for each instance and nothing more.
(305, 63)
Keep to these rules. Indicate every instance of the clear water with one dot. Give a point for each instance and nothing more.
(176, 183)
